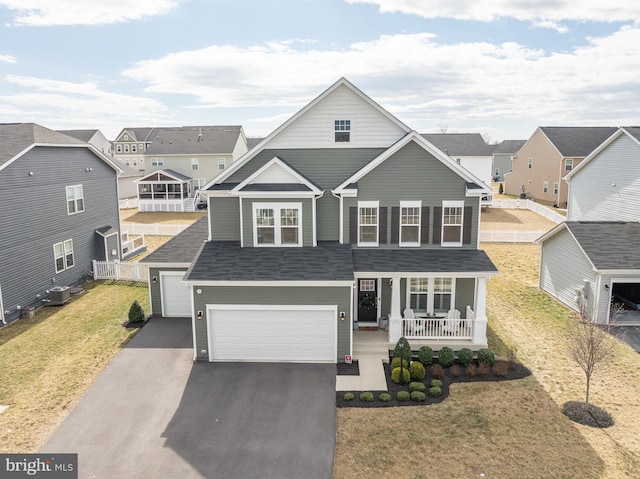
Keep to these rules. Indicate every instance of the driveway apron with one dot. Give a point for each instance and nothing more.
(153, 412)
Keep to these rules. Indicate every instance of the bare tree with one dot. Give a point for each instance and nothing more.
(443, 128)
(590, 344)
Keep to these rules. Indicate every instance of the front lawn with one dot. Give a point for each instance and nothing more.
(49, 361)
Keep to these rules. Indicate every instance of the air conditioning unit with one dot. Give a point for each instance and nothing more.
(59, 295)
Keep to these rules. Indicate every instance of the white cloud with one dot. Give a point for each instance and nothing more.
(551, 10)
(84, 12)
(7, 59)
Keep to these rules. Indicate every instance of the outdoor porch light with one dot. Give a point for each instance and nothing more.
(154, 280)
(342, 316)
(199, 315)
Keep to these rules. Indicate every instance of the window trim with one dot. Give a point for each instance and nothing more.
(277, 226)
(545, 187)
(195, 163)
(374, 205)
(78, 201)
(66, 253)
(451, 204)
(118, 148)
(410, 204)
(530, 163)
(198, 183)
(157, 161)
(568, 164)
(430, 293)
(222, 164)
(556, 188)
(341, 127)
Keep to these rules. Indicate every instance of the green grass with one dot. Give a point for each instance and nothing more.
(49, 361)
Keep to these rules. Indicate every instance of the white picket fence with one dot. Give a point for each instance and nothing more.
(548, 213)
(510, 236)
(128, 203)
(120, 271)
(154, 229)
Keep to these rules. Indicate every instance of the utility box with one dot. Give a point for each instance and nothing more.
(28, 312)
(59, 295)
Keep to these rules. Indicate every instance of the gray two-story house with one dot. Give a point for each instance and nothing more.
(343, 214)
(58, 212)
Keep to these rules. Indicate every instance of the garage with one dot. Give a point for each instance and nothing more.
(272, 333)
(176, 296)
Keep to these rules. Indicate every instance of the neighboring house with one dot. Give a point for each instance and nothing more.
(130, 145)
(547, 156)
(342, 216)
(596, 251)
(503, 158)
(181, 160)
(127, 186)
(93, 137)
(58, 212)
(468, 150)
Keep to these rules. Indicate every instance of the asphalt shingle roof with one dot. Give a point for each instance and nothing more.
(608, 244)
(15, 137)
(509, 147)
(577, 141)
(84, 135)
(460, 144)
(182, 248)
(188, 140)
(633, 131)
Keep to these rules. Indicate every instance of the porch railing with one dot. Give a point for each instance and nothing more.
(439, 328)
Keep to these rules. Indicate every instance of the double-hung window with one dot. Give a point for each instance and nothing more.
(277, 224)
(368, 223)
(342, 131)
(410, 223)
(545, 187)
(419, 294)
(530, 163)
(157, 161)
(195, 163)
(198, 183)
(556, 186)
(431, 295)
(452, 218)
(442, 293)
(118, 148)
(568, 164)
(221, 163)
(63, 253)
(75, 199)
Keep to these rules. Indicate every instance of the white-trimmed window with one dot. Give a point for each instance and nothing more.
(442, 294)
(195, 163)
(157, 161)
(342, 131)
(545, 187)
(222, 164)
(410, 223)
(126, 137)
(431, 295)
(419, 295)
(556, 187)
(277, 224)
(452, 219)
(119, 148)
(126, 148)
(135, 162)
(368, 223)
(529, 163)
(75, 199)
(63, 253)
(127, 162)
(134, 149)
(198, 183)
(568, 164)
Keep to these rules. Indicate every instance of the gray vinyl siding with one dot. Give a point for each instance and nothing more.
(563, 269)
(295, 295)
(592, 194)
(465, 294)
(307, 217)
(154, 289)
(33, 215)
(327, 211)
(225, 219)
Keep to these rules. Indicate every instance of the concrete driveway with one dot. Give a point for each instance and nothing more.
(153, 412)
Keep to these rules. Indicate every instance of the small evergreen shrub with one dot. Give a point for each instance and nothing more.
(471, 370)
(486, 356)
(483, 369)
(500, 368)
(384, 397)
(406, 351)
(395, 363)
(136, 313)
(435, 391)
(349, 396)
(425, 355)
(446, 356)
(366, 396)
(418, 396)
(436, 383)
(465, 357)
(455, 371)
(395, 376)
(415, 386)
(417, 371)
(403, 396)
(501, 189)
(437, 371)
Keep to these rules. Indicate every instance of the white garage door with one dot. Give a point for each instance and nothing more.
(176, 296)
(264, 333)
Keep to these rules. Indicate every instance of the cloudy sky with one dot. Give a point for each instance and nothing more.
(498, 67)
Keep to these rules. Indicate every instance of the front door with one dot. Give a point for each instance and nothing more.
(367, 300)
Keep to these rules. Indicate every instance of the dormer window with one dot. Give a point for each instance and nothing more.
(342, 131)
(277, 224)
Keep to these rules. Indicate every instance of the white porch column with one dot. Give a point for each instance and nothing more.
(480, 323)
(395, 316)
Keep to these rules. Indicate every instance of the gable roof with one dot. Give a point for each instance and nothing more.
(460, 144)
(286, 178)
(84, 135)
(136, 134)
(168, 172)
(193, 140)
(509, 147)
(576, 141)
(609, 245)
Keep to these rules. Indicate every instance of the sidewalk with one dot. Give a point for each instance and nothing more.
(370, 349)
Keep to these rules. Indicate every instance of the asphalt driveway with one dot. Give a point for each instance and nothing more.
(153, 412)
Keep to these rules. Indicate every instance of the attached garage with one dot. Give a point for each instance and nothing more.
(272, 333)
(176, 296)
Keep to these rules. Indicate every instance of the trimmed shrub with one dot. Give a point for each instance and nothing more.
(455, 371)
(436, 383)
(403, 396)
(406, 351)
(435, 391)
(395, 376)
(415, 386)
(349, 396)
(395, 363)
(500, 368)
(486, 356)
(501, 189)
(471, 370)
(136, 313)
(384, 397)
(417, 371)
(425, 355)
(465, 357)
(446, 356)
(483, 369)
(418, 396)
(437, 371)
(366, 396)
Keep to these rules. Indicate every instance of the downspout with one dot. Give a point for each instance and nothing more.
(341, 216)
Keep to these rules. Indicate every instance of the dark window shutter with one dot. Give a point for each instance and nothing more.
(395, 225)
(424, 225)
(382, 225)
(466, 225)
(437, 224)
(353, 224)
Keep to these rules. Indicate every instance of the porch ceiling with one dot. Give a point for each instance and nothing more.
(422, 261)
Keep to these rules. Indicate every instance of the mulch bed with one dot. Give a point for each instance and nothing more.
(587, 414)
(345, 369)
(513, 371)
